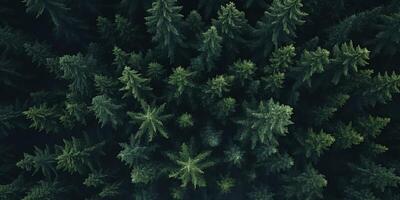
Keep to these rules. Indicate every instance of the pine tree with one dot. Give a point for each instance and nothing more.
(234, 155)
(211, 47)
(105, 110)
(180, 81)
(44, 118)
(45, 190)
(388, 40)
(78, 154)
(278, 24)
(151, 122)
(231, 24)
(307, 185)
(190, 168)
(311, 62)
(164, 22)
(346, 58)
(41, 160)
(316, 143)
(185, 120)
(374, 174)
(265, 123)
(76, 69)
(134, 84)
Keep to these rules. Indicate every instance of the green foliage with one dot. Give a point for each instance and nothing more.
(75, 68)
(134, 83)
(348, 58)
(388, 40)
(95, 179)
(243, 70)
(265, 123)
(44, 118)
(155, 71)
(346, 136)
(44, 190)
(218, 86)
(211, 47)
(180, 81)
(316, 143)
(190, 169)
(78, 154)
(278, 24)
(282, 59)
(151, 122)
(276, 99)
(185, 120)
(38, 52)
(234, 155)
(261, 193)
(307, 185)
(211, 137)
(133, 153)
(226, 184)
(42, 160)
(106, 111)
(164, 22)
(312, 62)
(374, 174)
(14, 190)
(231, 22)
(56, 9)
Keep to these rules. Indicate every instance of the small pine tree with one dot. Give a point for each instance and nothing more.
(190, 168)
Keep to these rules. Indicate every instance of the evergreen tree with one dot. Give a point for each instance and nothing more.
(105, 110)
(278, 24)
(118, 85)
(190, 168)
(151, 122)
(265, 123)
(164, 22)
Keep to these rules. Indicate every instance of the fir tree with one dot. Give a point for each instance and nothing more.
(134, 84)
(265, 123)
(42, 160)
(190, 168)
(164, 22)
(151, 122)
(307, 185)
(105, 110)
(278, 24)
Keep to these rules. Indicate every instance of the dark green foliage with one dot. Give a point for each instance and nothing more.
(78, 154)
(190, 168)
(164, 22)
(43, 117)
(265, 123)
(105, 110)
(42, 160)
(307, 185)
(151, 122)
(199, 100)
(278, 24)
(45, 190)
(348, 58)
(134, 84)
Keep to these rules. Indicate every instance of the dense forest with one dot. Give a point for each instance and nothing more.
(200, 99)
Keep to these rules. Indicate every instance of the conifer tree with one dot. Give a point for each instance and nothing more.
(164, 22)
(151, 122)
(278, 24)
(190, 168)
(280, 99)
(105, 110)
(265, 123)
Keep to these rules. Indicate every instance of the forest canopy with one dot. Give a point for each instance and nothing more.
(199, 99)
